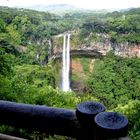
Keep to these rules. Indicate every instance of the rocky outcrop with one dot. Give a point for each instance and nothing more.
(127, 50)
(122, 49)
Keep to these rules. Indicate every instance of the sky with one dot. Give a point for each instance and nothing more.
(87, 4)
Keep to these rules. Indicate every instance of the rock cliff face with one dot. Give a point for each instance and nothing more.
(122, 49)
(127, 50)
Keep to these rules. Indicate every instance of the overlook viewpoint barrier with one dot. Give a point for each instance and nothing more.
(88, 122)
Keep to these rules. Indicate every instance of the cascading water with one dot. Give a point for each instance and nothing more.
(66, 63)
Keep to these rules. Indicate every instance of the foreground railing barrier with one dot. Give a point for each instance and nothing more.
(7, 137)
(88, 122)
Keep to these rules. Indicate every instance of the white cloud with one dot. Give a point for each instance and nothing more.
(92, 4)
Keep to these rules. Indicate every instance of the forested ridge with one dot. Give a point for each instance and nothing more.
(27, 76)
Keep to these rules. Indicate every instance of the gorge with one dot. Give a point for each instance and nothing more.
(96, 50)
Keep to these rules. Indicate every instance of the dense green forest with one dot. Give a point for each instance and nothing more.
(26, 78)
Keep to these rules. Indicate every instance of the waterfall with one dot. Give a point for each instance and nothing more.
(66, 63)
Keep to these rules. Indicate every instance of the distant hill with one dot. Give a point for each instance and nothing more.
(61, 9)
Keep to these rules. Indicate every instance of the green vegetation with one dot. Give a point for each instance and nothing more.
(115, 78)
(115, 81)
(119, 27)
(26, 76)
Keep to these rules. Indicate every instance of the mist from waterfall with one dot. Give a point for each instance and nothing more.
(66, 63)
